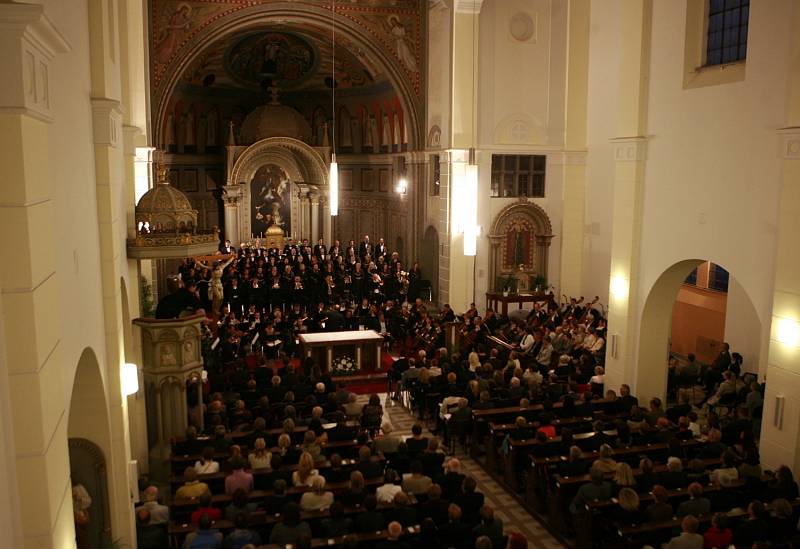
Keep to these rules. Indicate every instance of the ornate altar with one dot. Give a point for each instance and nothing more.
(274, 177)
(520, 244)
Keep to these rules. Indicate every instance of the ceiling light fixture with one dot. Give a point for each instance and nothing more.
(333, 179)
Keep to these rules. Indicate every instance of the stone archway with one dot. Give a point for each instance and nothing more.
(88, 469)
(305, 168)
(520, 235)
(649, 376)
(244, 19)
(89, 432)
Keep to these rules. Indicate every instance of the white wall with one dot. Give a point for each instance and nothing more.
(742, 327)
(711, 175)
(71, 142)
(521, 102)
(604, 43)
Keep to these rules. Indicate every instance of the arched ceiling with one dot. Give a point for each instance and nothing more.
(288, 57)
(237, 48)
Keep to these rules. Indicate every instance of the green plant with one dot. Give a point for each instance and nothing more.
(540, 282)
(146, 294)
(507, 283)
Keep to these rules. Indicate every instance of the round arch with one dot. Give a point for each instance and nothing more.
(253, 17)
(655, 327)
(303, 164)
(89, 433)
(88, 409)
(533, 219)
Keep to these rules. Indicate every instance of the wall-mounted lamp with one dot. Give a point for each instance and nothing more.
(129, 379)
(788, 332)
(619, 287)
(402, 185)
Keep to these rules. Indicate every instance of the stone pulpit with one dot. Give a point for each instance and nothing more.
(171, 360)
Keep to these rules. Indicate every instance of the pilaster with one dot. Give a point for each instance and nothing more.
(630, 151)
(629, 158)
(29, 284)
(460, 268)
(232, 198)
(780, 431)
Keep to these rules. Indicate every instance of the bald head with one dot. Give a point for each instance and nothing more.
(395, 529)
(151, 493)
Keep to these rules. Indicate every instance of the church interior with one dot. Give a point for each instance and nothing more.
(448, 273)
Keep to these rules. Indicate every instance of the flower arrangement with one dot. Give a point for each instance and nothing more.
(344, 366)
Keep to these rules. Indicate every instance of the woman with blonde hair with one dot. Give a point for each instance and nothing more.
(318, 499)
(285, 449)
(628, 511)
(474, 361)
(623, 477)
(260, 457)
(305, 472)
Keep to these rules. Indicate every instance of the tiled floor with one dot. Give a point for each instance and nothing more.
(514, 516)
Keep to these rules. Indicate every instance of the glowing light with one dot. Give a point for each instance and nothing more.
(129, 379)
(333, 186)
(788, 332)
(619, 287)
(470, 210)
(402, 186)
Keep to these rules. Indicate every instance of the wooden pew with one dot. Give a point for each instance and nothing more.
(183, 506)
(544, 474)
(482, 418)
(215, 479)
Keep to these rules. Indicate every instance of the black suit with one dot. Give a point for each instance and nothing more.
(365, 248)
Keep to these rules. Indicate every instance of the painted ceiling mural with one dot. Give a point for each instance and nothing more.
(397, 25)
(290, 60)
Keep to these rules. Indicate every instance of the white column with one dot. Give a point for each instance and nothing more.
(574, 166)
(629, 156)
(780, 427)
(327, 231)
(305, 222)
(314, 217)
(232, 199)
(34, 469)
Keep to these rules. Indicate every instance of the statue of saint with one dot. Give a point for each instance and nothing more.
(522, 279)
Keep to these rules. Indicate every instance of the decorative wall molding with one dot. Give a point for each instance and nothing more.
(29, 42)
(630, 149)
(789, 143)
(468, 6)
(532, 217)
(567, 158)
(106, 121)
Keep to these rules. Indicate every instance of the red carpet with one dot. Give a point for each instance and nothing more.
(367, 388)
(366, 383)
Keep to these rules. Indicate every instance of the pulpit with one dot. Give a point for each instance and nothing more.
(171, 359)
